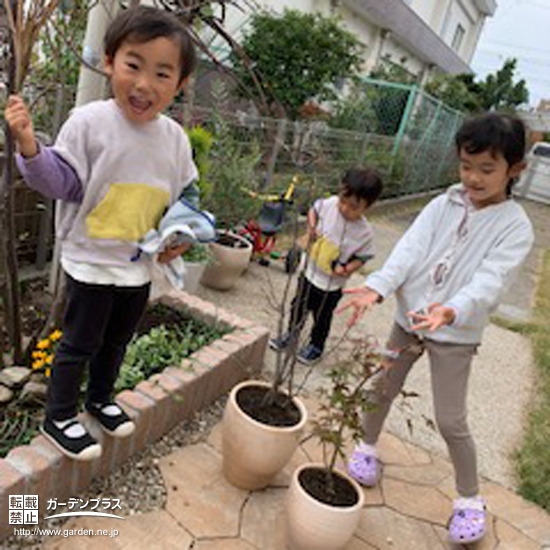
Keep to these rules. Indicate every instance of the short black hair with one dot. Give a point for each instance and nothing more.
(362, 183)
(493, 132)
(145, 23)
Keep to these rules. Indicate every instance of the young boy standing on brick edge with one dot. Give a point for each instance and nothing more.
(115, 168)
(449, 272)
(341, 240)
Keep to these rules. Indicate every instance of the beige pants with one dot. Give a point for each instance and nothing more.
(450, 370)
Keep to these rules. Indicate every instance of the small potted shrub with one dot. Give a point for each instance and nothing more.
(231, 172)
(323, 503)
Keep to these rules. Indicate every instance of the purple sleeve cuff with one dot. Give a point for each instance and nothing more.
(50, 175)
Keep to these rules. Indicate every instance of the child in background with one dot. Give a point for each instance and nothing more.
(116, 166)
(449, 272)
(341, 240)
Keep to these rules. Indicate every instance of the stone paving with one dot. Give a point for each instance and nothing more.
(407, 511)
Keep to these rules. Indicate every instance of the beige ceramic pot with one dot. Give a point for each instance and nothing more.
(231, 256)
(313, 525)
(253, 452)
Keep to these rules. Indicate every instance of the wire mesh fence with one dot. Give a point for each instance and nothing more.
(398, 129)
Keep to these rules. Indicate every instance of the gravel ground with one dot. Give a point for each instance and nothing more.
(138, 484)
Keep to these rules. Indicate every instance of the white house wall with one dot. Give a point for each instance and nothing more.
(441, 16)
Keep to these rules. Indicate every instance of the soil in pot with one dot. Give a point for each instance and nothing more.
(226, 239)
(272, 409)
(316, 483)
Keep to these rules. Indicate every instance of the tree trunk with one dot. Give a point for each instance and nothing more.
(8, 239)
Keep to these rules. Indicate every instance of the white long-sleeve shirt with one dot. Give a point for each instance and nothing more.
(458, 256)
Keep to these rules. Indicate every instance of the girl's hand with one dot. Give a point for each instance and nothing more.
(363, 300)
(434, 317)
(19, 120)
(172, 252)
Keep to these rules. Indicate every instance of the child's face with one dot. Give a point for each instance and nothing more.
(485, 176)
(351, 207)
(145, 77)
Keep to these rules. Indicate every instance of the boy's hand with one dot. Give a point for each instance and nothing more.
(363, 300)
(434, 317)
(20, 123)
(340, 270)
(312, 235)
(172, 252)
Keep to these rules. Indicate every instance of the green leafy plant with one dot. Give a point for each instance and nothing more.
(160, 347)
(533, 458)
(344, 401)
(232, 170)
(18, 425)
(497, 91)
(201, 143)
(198, 253)
(298, 57)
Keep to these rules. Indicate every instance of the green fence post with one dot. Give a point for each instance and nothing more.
(405, 119)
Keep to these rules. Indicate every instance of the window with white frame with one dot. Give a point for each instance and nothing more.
(458, 37)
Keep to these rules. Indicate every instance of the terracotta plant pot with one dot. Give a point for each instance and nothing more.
(314, 525)
(253, 452)
(231, 256)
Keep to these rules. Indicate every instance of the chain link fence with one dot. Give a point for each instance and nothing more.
(403, 132)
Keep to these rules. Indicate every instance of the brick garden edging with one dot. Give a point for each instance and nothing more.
(156, 405)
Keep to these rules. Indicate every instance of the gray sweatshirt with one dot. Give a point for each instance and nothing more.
(460, 257)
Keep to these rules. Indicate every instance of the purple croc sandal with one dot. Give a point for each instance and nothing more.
(363, 467)
(468, 522)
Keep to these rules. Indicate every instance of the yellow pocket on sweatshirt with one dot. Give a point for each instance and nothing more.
(323, 252)
(127, 212)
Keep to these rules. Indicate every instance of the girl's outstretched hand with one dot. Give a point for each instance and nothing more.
(363, 298)
(19, 120)
(434, 317)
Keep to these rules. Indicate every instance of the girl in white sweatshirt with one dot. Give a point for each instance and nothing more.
(449, 272)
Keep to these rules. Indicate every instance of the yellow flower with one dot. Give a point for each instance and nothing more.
(48, 372)
(56, 335)
(38, 354)
(49, 359)
(38, 364)
(43, 344)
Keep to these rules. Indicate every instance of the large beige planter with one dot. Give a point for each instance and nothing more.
(313, 525)
(229, 262)
(253, 452)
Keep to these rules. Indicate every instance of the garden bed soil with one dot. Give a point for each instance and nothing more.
(35, 307)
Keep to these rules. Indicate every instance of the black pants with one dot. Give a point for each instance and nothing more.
(98, 323)
(321, 302)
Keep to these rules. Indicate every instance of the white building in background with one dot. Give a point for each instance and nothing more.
(422, 35)
(427, 35)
